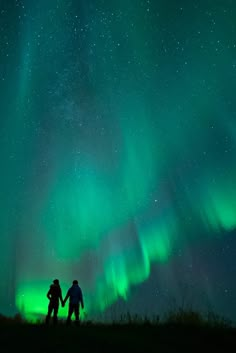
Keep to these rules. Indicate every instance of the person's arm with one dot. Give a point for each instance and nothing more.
(60, 297)
(49, 294)
(66, 297)
(81, 299)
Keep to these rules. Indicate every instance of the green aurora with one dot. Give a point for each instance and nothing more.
(118, 142)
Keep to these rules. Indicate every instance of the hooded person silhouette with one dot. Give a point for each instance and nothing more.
(75, 296)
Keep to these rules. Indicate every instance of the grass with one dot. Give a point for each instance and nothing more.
(179, 331)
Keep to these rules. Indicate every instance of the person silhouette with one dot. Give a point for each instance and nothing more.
(75, 296)
(54, 295)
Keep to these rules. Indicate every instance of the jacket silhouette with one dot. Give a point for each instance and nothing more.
(75, 296)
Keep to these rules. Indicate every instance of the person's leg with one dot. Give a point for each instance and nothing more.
(50, 309)
(76, 311)
(55, 312)
(70, 312)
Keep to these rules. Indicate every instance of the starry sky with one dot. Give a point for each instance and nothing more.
(117, 150)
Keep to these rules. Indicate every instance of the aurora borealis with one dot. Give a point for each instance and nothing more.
(118, 145)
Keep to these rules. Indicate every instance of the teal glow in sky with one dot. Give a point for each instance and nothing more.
(118, 145)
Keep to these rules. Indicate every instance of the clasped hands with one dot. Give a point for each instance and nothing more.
(63, 304)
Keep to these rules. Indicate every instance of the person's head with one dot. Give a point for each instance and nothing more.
(75, 281)
(56, 281)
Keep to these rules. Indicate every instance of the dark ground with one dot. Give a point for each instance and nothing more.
(120, 338)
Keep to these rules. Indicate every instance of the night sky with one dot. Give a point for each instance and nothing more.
(118, 154)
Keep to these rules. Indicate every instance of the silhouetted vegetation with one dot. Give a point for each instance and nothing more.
(178, 331)
(179, 317)
(195, 318)
(16, 319)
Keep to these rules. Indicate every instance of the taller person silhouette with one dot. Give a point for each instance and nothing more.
(75, 296)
